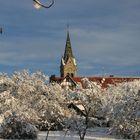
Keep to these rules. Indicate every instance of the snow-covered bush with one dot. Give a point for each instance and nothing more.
(14, 127)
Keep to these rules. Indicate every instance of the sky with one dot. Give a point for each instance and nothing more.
(105, 36)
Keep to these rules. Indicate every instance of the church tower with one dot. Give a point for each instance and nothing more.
(68, 62)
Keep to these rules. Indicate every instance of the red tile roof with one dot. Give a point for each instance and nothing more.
(105, 83)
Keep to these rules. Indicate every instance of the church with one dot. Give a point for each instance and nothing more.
(69, 78)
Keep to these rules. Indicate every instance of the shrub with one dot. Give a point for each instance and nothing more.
(14, 127)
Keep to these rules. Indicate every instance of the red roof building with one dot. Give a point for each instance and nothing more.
(71, 82)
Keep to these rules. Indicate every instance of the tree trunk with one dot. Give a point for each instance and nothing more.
(47, 135)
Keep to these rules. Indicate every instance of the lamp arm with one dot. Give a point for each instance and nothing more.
(42, 5)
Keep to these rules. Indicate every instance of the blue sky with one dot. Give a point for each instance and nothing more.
(105, 36)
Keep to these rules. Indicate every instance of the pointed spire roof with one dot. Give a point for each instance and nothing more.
(68, 49)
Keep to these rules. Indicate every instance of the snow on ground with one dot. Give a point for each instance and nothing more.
(93, 134)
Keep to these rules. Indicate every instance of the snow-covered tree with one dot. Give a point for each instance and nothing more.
(29, 94)
(89, 100)
(122, 107)
(119, 104)
(45, 104)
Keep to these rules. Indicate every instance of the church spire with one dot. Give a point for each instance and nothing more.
(68, 64)
(68, 49)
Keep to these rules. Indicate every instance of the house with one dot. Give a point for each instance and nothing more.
(66, 82)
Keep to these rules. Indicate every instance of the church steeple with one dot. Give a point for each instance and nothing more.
(68, 63)
(68, 49)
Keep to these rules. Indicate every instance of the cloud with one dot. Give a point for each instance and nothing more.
(116, 47)
(103, 33)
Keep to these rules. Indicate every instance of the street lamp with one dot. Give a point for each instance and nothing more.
(37, 4)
